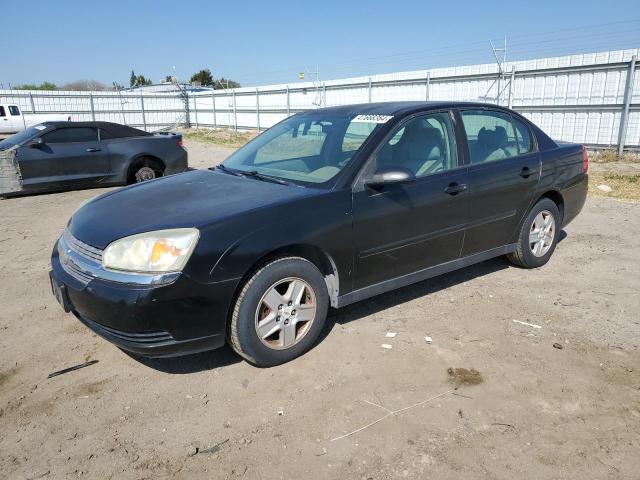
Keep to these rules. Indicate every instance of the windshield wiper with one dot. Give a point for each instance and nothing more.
(266, 178)
(228, 170)
(252, 174)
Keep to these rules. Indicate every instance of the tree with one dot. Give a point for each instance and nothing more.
(85, 86)
(206, 80)
(142, 81)
(204, 77)
(33, 86)
(138, 80)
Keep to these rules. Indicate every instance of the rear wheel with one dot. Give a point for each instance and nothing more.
(538, 235)
(280, 312)
(144, 170)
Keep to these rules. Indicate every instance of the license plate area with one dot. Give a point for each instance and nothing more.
(60, 293)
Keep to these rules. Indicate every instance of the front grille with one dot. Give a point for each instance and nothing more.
(77, 258)
(81, 248)
(76, 272)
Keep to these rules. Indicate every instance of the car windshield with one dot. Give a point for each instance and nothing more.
(20, 137)
(309, 148)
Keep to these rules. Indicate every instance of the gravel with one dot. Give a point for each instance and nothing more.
(538, 412)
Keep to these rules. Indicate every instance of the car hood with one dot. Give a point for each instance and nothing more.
(193, 199)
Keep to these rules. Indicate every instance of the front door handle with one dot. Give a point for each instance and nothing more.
(455, 188)
(526, 172)
(93, 150)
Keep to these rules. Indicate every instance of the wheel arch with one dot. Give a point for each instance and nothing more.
(316, 255)
(556, 197)
(140, 159)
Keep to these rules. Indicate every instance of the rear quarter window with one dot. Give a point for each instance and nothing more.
(106, 135)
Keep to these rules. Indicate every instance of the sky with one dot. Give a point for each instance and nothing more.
(264, 42)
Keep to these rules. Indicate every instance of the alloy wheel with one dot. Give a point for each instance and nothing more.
(285, 313)
(542, 233)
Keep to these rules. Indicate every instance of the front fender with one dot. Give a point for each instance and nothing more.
(321, 225)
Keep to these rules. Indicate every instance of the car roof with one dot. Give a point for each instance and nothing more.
(62, 123)
(114, 128)
(404, 107)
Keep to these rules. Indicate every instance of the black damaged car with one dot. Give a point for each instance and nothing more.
(57, 156)
(326, 208)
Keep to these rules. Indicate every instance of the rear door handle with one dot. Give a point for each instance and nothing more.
(526, 172)
(92, 150)
(455, 188)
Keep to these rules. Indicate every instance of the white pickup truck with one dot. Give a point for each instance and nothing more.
(12, 120)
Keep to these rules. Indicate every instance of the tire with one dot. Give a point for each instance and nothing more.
(275, 284)
(535, 254)
(145, 170)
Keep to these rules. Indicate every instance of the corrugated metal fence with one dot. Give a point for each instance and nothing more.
(587, 98)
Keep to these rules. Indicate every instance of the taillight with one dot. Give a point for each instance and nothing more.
(585, 159)
(180, 144)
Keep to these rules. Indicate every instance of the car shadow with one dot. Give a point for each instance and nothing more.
(194, 363)
(406, 294)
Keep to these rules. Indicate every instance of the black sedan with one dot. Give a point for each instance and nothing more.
(57, 156)
(327, 208)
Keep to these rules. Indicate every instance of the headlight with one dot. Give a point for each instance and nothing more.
(152, 252)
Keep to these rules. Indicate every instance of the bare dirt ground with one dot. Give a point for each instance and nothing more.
(529, 410)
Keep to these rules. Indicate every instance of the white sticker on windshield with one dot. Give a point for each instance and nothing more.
(372, 118)
(39, 127)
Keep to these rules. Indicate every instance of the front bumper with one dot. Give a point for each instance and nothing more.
(177, 317)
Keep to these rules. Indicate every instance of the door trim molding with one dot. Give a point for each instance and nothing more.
(390, 247)
(429, 272)
(492, 219)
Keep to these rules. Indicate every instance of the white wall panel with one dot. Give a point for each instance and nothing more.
(581, 100)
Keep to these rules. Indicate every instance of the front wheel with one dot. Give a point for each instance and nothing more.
(280, 312)
(538, 235)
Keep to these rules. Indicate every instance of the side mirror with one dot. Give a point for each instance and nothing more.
(390, 176)
(37, 143)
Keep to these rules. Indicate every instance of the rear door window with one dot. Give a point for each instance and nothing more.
(13, 110)
(71, 135)
(491, 135)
